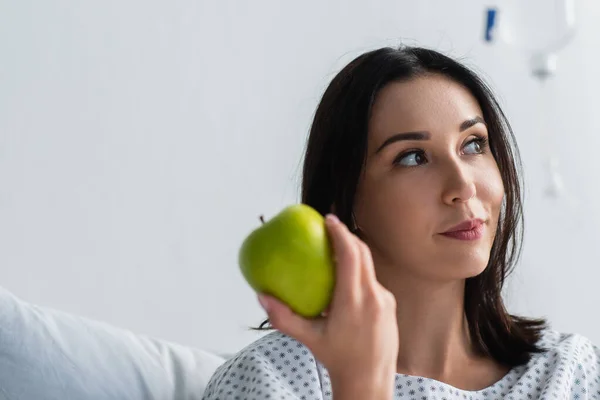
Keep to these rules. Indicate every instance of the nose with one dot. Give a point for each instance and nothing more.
(459, 185)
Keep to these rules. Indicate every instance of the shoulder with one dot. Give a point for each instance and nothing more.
(572, 356)
(569, 345)
(275, 364)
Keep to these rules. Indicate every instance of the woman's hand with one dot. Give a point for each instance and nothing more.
(358, 339)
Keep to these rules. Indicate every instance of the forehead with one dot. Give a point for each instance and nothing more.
(431, 103)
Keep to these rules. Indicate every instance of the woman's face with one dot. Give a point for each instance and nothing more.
(428, 168)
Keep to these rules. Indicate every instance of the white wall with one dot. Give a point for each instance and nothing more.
(140, 140)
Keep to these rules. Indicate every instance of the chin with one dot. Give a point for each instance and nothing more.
(475, 271)
(476, 267)
(466, 267)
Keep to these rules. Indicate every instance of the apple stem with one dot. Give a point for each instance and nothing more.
(262, 219)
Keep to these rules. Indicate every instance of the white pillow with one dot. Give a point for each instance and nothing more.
(48, 354)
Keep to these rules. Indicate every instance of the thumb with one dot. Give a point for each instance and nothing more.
(284, 319)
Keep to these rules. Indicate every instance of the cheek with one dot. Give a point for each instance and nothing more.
(491, 189)
(396, 211)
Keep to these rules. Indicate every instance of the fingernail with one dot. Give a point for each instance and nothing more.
(263, 302)
(332, 218)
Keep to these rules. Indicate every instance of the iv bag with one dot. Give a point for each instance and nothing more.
(539, 29)
(536, 26)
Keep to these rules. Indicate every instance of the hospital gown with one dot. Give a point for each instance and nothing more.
(279, 367)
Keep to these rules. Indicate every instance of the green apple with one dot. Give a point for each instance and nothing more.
(290, 257)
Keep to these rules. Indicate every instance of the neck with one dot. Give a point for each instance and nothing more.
(433, 331)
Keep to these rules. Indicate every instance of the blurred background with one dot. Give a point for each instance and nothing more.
(141, 140)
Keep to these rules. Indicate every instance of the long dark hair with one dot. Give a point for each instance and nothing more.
(335, 157)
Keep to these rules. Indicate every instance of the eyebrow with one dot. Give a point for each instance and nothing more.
(424, 135)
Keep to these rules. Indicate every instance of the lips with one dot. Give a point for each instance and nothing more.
(468, 230)
(465, 226)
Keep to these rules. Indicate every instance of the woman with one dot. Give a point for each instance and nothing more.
(410, 150)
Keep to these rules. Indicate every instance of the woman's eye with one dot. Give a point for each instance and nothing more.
(476, 146)
(411, 159)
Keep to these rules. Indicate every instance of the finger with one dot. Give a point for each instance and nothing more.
(287, 321)
(367, 265)
(347, 258)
